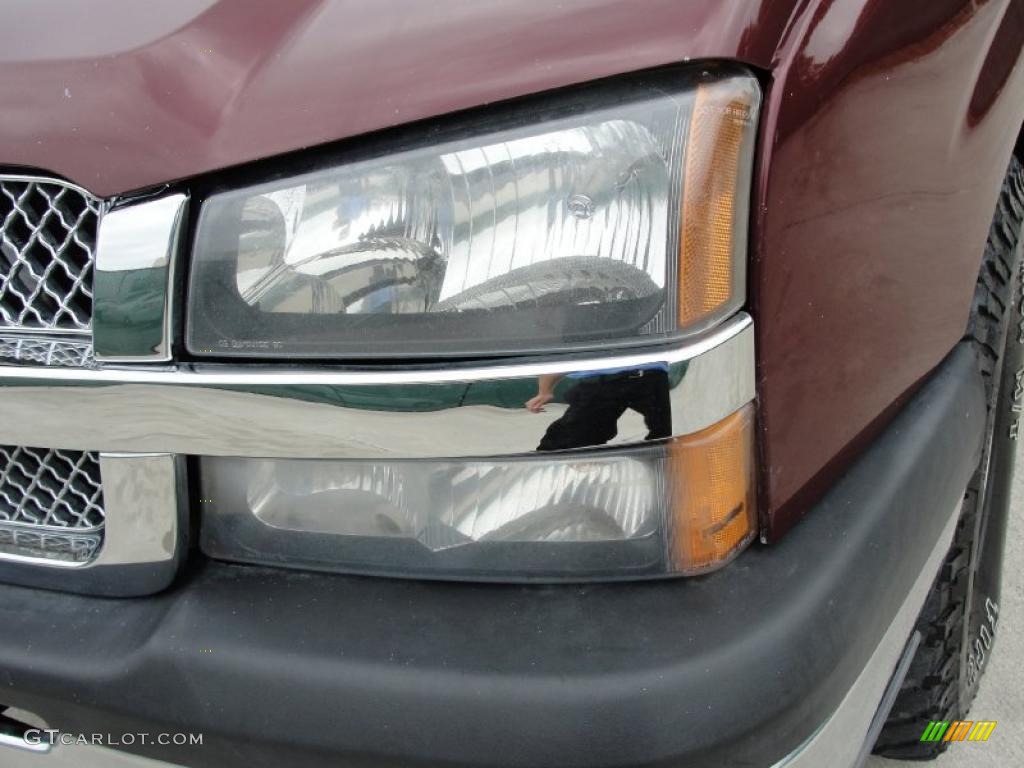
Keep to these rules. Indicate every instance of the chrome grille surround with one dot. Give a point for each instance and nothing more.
(126, 537)
(48, 232)
(51, 504)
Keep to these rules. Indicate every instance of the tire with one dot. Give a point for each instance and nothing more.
(959, 619)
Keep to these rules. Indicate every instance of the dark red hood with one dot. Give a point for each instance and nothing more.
(117, 95)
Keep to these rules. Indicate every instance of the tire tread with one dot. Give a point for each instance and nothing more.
(932, 687)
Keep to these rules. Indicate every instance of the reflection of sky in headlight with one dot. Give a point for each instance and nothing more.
(444, 504)
(462, 229)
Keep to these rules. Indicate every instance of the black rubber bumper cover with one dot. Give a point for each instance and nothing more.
(737, 668)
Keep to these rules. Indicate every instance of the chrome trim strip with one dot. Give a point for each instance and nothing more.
(413, 413)
(288, 375)
(840, 740)
(136, 252)
(42, 529)
(43, 334)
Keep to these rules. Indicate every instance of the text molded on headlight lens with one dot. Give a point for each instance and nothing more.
(588, 221)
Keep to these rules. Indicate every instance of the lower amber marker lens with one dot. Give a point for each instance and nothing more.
(711, 476)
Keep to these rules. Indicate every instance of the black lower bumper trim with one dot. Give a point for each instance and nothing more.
(736, 668)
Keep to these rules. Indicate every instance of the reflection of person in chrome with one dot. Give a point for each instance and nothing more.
(598, 399)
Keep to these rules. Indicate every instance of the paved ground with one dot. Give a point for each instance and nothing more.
(1001, 697)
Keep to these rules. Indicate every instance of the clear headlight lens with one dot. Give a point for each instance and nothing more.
(684, 505)
(615, 215)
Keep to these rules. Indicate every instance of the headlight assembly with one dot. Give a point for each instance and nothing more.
(611, 216)
(598, 219)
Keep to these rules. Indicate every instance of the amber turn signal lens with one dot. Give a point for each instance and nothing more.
(715, 201)
(712, 482)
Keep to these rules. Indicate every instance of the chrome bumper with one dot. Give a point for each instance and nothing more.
(441, 412)
(145, 418)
